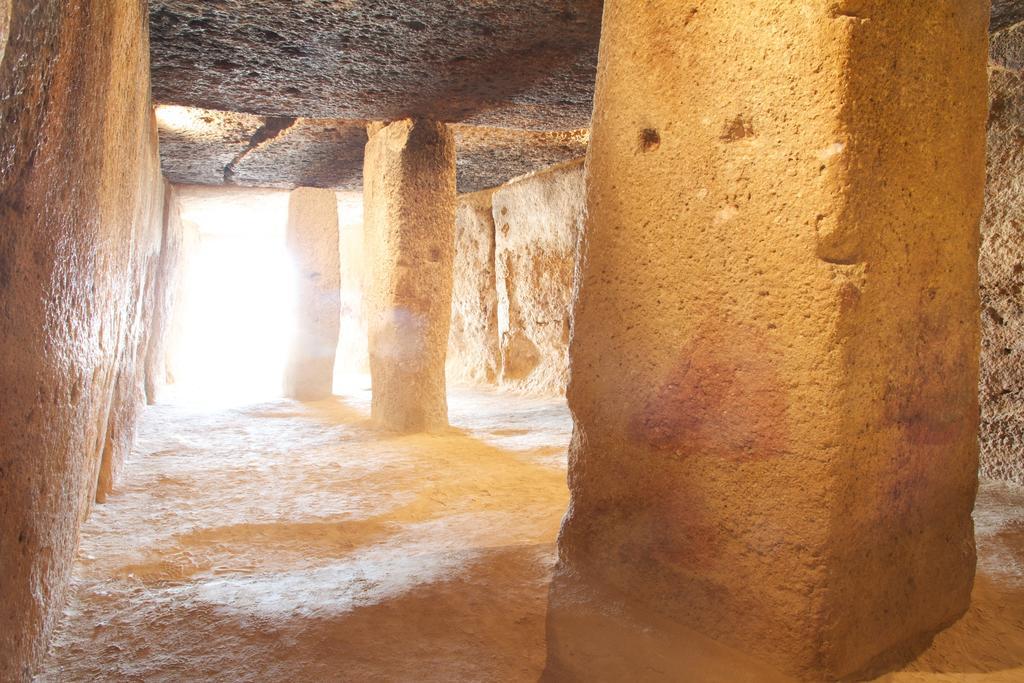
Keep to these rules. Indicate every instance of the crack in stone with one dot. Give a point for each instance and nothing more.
(273, 127)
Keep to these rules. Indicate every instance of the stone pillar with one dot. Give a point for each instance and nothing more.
(409, 204)
(1002, 265)
(775, 342)
(312, 240)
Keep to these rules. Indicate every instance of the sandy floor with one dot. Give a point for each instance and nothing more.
(288, 542)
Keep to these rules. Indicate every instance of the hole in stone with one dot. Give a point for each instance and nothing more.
(650, 140)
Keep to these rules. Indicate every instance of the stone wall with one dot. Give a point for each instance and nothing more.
(537, 220)
(1001, 265)
(515, 259)
(473, 353)
(80, 199)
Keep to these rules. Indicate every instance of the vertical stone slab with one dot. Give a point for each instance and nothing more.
(538, 219)
(312, 239)
(1001, 266)
(80, 200)
(473, 353)
(409, 204)
(774, 353)
(167, 277)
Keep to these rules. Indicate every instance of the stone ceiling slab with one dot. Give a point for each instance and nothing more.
(509, 63)
(488, 157)
(308, 153)
(1006, 13)
(206, 147)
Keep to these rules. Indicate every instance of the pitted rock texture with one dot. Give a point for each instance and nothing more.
(208, 147)
(197, 145)
(473, 353)
(774, 344)
(1005, 13)
(307, 153)
(1001, 270)
(80, 200)
(537, 222)
(1006, 48)
(523, 64)
(409, 205)
(488, 157)
(312, 240)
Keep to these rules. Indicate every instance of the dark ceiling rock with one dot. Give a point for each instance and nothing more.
(508, 63)
(206, 147)
(1008, 48)
(488, 157)
(197, 145)
(1006, 13)
(308, 153)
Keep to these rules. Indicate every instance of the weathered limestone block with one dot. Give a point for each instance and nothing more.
(473, 354)
(79, 189)
(167, 278)
(774, 351)
(409, 204)
(1001, 270)
(538, 219)
(312, 239)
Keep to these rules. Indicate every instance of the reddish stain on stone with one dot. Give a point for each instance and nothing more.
(921, 398)
(722, 398)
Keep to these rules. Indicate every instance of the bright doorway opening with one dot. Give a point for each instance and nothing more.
(235, 312)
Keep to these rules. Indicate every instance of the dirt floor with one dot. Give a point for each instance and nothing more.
(290, 542)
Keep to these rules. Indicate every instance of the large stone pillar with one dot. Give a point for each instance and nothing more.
(312, 239)
(775, 343)
(1001, 265)
(409, 204)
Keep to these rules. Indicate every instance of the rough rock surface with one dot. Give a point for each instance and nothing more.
(1006, 48)
(207, 147)
(1001, 270)
(312, 239)
(523, 64)
(537, 222)
(80, 198)
(488, 157)
(409, 204)
(307, 153)
(774, 374)
(1006, 13)
(473, 353)
(197, 145)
